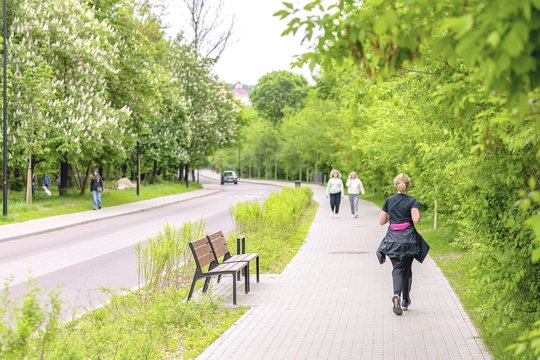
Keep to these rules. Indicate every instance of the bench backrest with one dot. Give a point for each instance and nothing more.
(219, 244)
(202, 251)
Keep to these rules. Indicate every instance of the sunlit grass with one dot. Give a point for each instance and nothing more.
(45, 206)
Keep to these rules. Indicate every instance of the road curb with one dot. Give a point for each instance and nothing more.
(105, 217)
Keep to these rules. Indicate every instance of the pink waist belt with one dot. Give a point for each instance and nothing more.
(400, 227)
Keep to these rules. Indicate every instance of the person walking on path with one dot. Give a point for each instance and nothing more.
(402, 243)
(334, 189)
(46, 181)
(354, 188)
(96, 187)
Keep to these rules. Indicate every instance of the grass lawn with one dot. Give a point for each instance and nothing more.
(45, 206)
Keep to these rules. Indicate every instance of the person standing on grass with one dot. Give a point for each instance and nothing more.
(354, 188)
(46, 181)
(96, 187)
(402, 243)
(334, 189)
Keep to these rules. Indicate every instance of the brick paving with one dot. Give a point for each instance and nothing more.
(333, 301)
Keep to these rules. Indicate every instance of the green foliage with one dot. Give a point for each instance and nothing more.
(165, 261)
(23, 318)
(91, 78)
(450, 96)
(277, 228)
(279, 92)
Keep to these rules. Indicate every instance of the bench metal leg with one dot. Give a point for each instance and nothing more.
(218, 279)
(257, 264)
(234, 289)
(246, 278)
(206, 283)
(192, 287)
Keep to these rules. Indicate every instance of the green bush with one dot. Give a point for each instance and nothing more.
(165, 260)
(277, 228)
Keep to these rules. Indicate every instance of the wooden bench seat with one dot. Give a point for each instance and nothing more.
(219, 246)
(204, 255)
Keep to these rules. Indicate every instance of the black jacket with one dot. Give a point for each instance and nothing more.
(94, 184)
(401, 244)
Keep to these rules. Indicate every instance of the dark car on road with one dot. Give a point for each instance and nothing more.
(229, 176)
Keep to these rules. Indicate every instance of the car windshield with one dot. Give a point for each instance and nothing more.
(229, 173)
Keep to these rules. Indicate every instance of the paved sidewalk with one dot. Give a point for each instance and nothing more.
(39, 226)
(333, 301)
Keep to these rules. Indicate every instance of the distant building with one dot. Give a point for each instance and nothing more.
(241, 94)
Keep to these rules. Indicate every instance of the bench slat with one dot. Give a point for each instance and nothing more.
(236, 266)
(216, 235)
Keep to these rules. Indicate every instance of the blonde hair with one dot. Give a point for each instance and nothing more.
(353, 173)
(335, 172)
(402, 182)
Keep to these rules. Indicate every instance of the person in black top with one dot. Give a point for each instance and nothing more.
(401, 243)
(96, 187)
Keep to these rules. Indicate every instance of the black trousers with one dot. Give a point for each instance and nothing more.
(402, 276)
(335, 200)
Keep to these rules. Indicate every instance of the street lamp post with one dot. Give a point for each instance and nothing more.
(4, 119)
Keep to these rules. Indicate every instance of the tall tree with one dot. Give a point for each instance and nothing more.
(277, 92)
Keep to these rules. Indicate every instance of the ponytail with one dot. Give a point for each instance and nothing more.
(402, 182)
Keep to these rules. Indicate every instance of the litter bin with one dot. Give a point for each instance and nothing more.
(297, 183)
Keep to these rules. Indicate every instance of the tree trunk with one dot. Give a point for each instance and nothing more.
(181, 173)
(186, 174)
(64, 177)
(435, 214)
(29, 182)
(154, 172)
(275, 169)
(192, 174)
(84, 180)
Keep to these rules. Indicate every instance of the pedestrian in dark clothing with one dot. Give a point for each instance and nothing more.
(402, 243)
(96, 187)
(46, 181)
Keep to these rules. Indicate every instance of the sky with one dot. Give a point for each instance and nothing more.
(257, 46)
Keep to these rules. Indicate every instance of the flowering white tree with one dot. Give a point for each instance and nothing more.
(76, 117)
(214, 118)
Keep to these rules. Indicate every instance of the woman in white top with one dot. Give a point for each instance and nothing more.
(354, 188)
(334, 189)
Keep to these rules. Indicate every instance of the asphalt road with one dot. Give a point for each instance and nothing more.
(81, 260)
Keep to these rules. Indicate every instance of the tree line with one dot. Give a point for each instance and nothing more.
(89, 79)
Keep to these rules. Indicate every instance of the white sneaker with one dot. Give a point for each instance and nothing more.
(336, 215)
(332, 215)
(352, 215)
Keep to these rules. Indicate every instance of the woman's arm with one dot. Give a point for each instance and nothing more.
(383, 218)
(415, 214)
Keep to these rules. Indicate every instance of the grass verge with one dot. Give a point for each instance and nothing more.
(277, 228)
(154, 322)
(45, 206)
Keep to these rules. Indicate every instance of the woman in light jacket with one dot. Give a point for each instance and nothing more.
(354, 188)
(334, 189)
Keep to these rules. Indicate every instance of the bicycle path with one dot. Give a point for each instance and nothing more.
(333, 301)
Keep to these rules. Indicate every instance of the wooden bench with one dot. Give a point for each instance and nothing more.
(204, 255)
(219, 246)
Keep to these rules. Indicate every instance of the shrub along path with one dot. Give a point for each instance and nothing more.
(333, 301)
